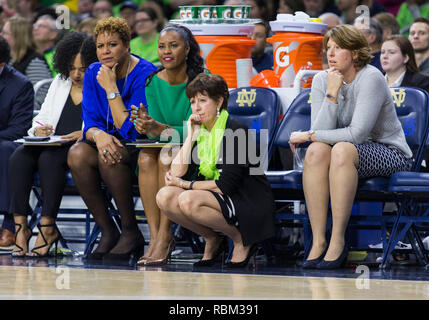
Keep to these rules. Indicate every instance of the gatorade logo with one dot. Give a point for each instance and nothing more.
(205, 13)
(282, 57)
(182, 13)
(237, 13)
(189, 13)
(226, 14)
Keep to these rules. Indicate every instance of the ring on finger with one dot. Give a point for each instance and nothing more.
(105, 151)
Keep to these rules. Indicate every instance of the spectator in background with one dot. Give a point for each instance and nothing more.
(391, 6)
(399, 63)
(388, 23)
(290, 6)
(18, 33)
(16, 110)
(261, 60)
(102, 9)
(87, 26)
(84, 9)
(45, 34)
(28, 8)
(409, 11)
(419, 38)
(374, 36)
(127, 11)
(314, 8)
(146, 26)
(331, 19)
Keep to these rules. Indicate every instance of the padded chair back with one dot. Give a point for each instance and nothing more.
(258, 108)
(296, 118)
(412, 110)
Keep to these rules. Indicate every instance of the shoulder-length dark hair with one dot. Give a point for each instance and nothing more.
(406, 49)
(194, 61)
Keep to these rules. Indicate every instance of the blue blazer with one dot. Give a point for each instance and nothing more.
(16, 104)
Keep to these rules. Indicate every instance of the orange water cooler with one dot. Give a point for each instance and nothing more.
(296, 45)
(221, 45)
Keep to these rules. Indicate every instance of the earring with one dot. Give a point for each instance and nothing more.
(218, 113)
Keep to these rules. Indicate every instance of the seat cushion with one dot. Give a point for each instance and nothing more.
(291, 179)
(406, 178)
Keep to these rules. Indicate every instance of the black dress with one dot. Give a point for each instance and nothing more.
(250, 193)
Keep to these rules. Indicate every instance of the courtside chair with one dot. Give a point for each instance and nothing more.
(411, 189)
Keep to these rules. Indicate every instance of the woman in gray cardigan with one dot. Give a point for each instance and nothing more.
(355, 133)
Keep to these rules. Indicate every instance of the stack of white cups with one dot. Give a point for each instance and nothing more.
(244, 69)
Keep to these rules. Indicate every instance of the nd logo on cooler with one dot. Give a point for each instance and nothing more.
(245, 97)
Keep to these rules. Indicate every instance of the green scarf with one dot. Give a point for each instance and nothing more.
(209, 146)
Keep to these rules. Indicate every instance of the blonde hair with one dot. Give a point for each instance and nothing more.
(22, 32)
(350, 38)
(113, 25)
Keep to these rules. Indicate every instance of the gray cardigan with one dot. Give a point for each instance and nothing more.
(365, 112)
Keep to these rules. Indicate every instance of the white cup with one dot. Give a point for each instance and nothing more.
(244, 69)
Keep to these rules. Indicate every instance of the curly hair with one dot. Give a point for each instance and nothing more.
(194, 61)
(69, 47)
(113, 25)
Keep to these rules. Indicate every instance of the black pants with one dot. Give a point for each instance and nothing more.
(51, 162)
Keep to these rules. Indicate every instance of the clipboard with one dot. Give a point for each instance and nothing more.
(152, 143)
(53, 141)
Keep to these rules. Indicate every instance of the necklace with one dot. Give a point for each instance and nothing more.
(123, 89)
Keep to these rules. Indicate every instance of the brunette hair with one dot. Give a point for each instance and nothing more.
(406, 49)
(214, 86)
(350, 38)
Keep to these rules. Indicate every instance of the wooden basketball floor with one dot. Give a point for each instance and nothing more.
(72, 278)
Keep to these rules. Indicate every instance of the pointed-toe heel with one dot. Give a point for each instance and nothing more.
(219, 255)
(242, 264)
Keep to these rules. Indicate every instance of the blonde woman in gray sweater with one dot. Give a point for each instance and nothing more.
(355, 133)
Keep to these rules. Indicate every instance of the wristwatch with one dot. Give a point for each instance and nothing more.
(113, 95)
(310, 133)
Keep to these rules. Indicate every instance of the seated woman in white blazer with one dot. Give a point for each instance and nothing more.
(60, 114)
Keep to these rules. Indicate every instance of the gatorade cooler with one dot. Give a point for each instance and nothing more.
(296, 45)
(221, 45)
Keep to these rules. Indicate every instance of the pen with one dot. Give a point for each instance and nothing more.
(129, 110)
(40, 123)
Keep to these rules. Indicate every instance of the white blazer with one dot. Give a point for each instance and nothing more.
(52, 107)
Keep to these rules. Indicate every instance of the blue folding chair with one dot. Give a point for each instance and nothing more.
(411, 189)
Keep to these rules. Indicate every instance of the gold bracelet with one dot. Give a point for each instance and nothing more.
(94, 134)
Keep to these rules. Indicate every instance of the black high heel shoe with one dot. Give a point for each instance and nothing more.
(334, 264)
(93, 256)
(136, 251)
(311, 264)
(20, 253)
(220, 253)
(242, 264)
(34, 253)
